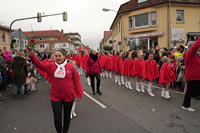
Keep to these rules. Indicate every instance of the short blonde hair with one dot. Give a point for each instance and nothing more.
(166, 59)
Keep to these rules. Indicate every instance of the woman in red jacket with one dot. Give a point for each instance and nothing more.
(65, 86)
(167, 76)
(108, 65)
(94, 70)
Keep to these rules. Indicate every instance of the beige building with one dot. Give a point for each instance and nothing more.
(4, 37)
(145, 24)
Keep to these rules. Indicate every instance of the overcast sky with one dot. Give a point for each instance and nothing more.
(84, 16)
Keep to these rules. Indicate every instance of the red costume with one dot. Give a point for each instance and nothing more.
(151, 70)
(120, 65)
(167, 74)
(139, 67)
(115, 67)
(128, 67)
(109, 63)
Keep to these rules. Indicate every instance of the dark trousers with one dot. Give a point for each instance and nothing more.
(193, 90)
(98, 78)
(57, 113)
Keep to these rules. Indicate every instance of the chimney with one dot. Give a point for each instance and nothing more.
(62, 31)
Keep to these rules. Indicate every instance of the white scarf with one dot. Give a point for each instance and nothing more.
(60, 71)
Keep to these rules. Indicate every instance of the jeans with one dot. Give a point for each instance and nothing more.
(57, 112)
(19, 88)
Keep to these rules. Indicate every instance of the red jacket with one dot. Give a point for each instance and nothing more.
(139, 68)
(93, 67)
(109, 63)
(151, 70)
(192, 60)
(167, 74)
(115, 67)
(128, 66)
(62, 89)
(120, 65)
(84, 66)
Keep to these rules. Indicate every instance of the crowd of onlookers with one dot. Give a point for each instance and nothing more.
(17, 73)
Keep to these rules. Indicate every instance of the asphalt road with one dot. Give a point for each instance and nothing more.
(127, 111)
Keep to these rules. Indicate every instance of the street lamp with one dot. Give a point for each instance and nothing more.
(106, 10)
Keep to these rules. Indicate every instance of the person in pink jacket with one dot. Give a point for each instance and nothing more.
(65, 87)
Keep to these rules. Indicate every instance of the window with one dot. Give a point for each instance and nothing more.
(130, 22)
(141, 20)
(64, 45)
(41, 45)
(3, 37)
(140, 1)
(180, 16)
(153, 18)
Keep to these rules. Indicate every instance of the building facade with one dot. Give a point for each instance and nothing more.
(4, 37)
(144, 24)
(75, 38)
(19, 40)
(50, 40)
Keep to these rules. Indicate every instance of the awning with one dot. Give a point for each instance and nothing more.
(152, 34)
(194, 34)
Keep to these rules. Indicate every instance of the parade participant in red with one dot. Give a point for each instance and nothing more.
(65, 86)
(94, 71)
(78, 62)
(139, 71)
(86, 56)
(150, 72)
(46, 61)
(166, 77)
(108, 65)
(192, 74)
(103, 59)
(115, 67)
(120, 66)
(128, 62)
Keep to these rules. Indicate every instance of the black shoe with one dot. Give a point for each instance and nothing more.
(100, 93)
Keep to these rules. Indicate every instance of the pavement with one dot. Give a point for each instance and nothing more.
(126, 111)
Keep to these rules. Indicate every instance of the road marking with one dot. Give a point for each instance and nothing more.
(94, 100)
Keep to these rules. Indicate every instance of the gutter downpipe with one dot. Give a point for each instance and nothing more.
(169, 24)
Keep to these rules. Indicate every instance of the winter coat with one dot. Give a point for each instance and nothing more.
(93, 66)
(19, 70)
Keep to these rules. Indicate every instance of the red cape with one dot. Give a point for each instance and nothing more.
(167, 74)
(120, 65)
(139, 68)
(151, 70)
(109, 63)
(128, 63)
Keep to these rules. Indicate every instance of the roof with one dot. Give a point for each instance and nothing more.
(107, 34)
(134, 5)
(47, 34)
(4, 27)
